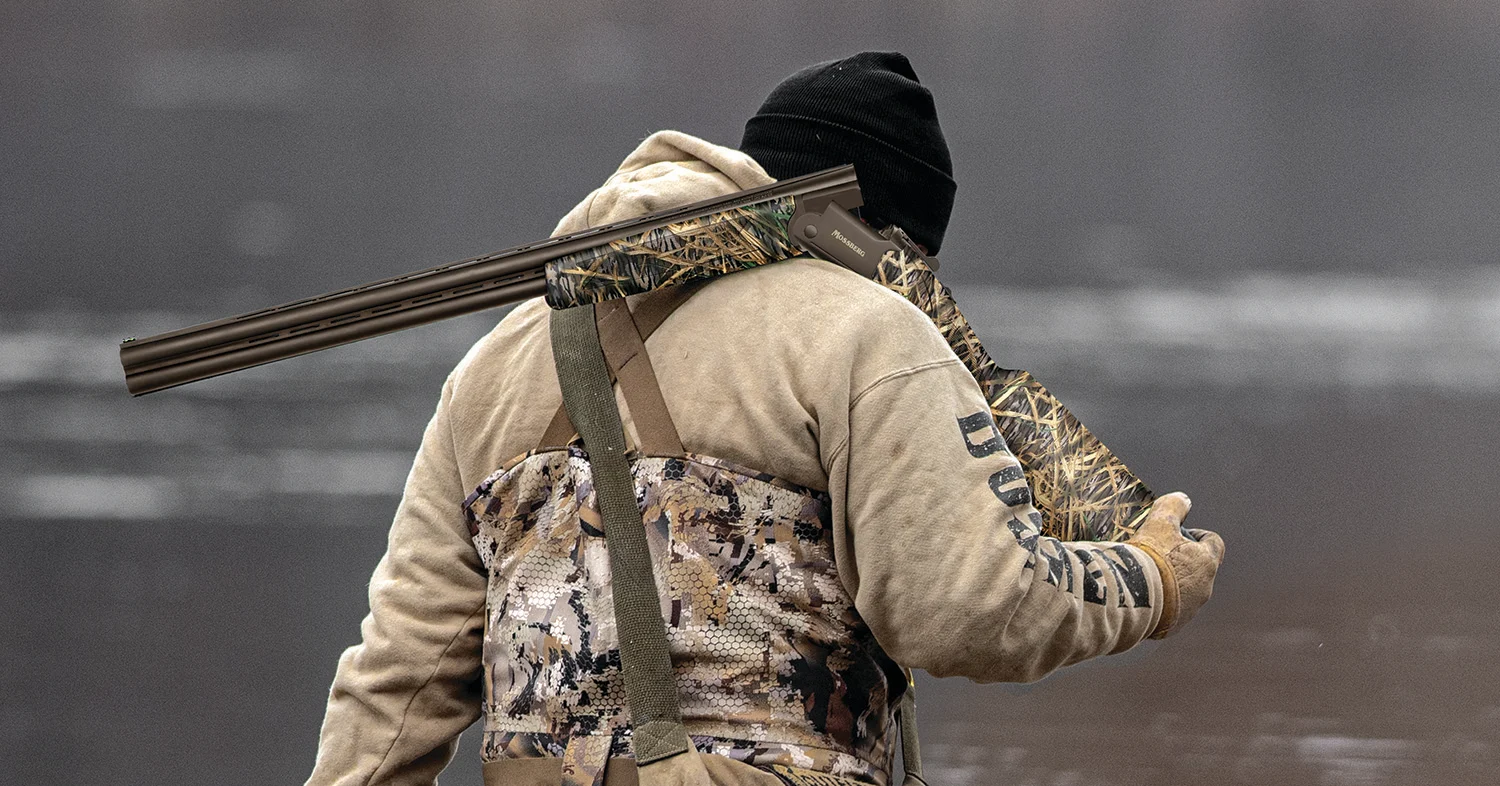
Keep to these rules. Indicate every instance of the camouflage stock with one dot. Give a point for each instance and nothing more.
(1081, 488)
(735, 239)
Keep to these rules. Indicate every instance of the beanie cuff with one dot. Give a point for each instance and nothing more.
(852, 130)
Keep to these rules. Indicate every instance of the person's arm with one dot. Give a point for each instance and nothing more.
(402, 696)
(942, 548)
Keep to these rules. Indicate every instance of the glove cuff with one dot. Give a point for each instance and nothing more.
(1171, 599)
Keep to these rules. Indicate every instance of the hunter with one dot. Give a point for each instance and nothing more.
(820, 517)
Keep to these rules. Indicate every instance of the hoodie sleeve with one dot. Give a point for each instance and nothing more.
(949, 567)
(402, 696)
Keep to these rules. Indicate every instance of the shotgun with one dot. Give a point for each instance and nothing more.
(1082, 490)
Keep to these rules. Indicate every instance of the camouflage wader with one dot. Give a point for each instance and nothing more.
(773, 665)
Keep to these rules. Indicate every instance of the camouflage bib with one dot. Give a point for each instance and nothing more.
(773, 664)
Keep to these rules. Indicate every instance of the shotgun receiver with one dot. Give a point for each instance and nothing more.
(1082, 490)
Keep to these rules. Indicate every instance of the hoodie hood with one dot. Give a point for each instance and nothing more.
(668, 169)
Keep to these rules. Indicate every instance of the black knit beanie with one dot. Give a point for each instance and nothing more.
(868, 110)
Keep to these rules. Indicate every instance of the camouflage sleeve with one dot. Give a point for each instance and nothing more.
(945, 550)
(402, 696)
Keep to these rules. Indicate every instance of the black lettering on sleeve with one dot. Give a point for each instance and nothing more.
(980, 435)
(1014, 497)
(1059, 567)
(1026, 536)
(1132, 577)
(1094, 590)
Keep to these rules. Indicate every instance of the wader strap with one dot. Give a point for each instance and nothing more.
(645, 663)
(911, 750)
(626, 353)
(651, 310)
(559, 432)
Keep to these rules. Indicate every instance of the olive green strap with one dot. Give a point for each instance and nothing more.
(650, 688)
(911, 750)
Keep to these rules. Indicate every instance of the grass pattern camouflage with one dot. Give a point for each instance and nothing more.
(1081, 488)
(773, 663)
(736, 239)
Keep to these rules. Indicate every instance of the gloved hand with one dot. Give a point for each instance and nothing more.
(1187, 564)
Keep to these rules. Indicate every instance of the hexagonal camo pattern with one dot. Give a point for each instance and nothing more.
(773, 663)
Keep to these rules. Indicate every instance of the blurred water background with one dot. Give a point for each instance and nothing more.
(1251, 244)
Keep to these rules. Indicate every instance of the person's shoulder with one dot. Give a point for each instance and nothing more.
(841, 301)
(520, 335)
(810, 315)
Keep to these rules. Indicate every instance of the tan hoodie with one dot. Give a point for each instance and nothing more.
(802, 369)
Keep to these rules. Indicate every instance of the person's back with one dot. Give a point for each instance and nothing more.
(760, 373)
(841, 508)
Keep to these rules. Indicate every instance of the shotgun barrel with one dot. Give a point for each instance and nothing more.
(348, 315)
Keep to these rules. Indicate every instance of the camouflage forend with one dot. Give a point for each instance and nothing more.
(702, 247)
(773, 663)
(1082, 489)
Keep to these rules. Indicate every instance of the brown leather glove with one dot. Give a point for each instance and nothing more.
(1187, 565)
